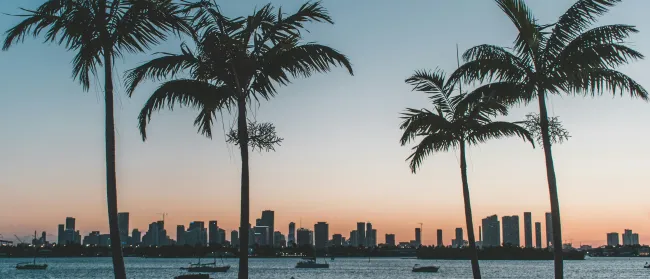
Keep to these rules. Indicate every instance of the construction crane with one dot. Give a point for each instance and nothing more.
(19, 240)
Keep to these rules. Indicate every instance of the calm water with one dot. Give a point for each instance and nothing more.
(381, 268)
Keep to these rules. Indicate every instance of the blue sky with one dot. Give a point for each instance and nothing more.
(341, 161)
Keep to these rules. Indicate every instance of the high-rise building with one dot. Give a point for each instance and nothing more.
(337, 240)
(136, 236)
(213, 232)
(459, 241)
(368, 235)
(361, 234)
(439, 243)
(491, 231)
(538, 235)
(511, 230)
(374, 238)
(418, 237)
(222, 236)
(70, 223)
(528, 229)
(196, 234)
(321, 233)
(549, 229)
(630, 238)
(123, 227)
(268, 219)
(304, 237)
(278, 239)
(263, 235)
(635, 239)
(292, 234)
(612, 239)
(61, 236)
(480, 234)
(234, 238)
(354, 241)
(180, 233)
(390, 239)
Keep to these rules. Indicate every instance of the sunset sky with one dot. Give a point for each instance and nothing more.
(341, 161)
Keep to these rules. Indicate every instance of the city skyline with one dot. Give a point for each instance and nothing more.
(180, 172)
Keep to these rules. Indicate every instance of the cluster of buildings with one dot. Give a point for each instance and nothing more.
(491, 231)
(629, 239)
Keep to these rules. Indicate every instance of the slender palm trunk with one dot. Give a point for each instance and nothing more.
(245, 211)
(468, 214)
(111, 176)
(552, 187)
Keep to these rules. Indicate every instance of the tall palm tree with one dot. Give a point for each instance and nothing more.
(100, 31)
(456, 122)
(237, 61)
(566, 57)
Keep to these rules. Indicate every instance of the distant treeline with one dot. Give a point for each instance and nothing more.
(495, 253)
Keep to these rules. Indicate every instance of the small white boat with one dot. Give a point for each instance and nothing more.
(647, 265)
(429, 268)
(311, 263)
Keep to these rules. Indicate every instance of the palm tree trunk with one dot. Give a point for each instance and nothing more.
(552, 187)
(476, 271)
(111, 176)
(245, 192)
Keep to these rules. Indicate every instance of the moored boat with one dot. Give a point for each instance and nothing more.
(429, 268)
(311, 263)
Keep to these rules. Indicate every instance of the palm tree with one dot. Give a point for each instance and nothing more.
(100, 31)
(566, 57)
(457, 121)
(237, 61)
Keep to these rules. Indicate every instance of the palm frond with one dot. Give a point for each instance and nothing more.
(596, 81)
(492, 62)
(599, 47)
(166, 66)
(433, 83)
(573, 22)
(204, 96)
(419, 122)
(529, 38)
(86, 60)
(438, 142)
(504, 92)
(290, 26)
(481, 133)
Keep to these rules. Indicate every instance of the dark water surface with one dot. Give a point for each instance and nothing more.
(379, 268)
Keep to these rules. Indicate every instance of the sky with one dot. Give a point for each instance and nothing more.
(340, 161)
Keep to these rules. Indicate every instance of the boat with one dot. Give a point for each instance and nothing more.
(193, 276)
(206, 267)
(311, 263)
(31, 265)
(427, 268)
(647, 265)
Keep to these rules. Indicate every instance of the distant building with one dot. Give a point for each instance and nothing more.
(123, 227)
(439, 242)
(304, 237)
(361, 234)
(511, 230)
(491, 231)
(321, 235)
(458, 241)
(354, 241)
(196, 234)
(263, 235)
(70, 223)
(136, 236)
(292, 234)
(369, 242)
(390, 239)
(630, 238)
(221, 239)
(538, 235)
(279, 240)
(156, 235)
(528, 230)
(268, 219)
(613, 239)
(635, 239)
(337, 240)
(234, 238)
(213, 232)
(373, 236)
(180, 233)
(61, 236)
(418, 237)
(549, 229)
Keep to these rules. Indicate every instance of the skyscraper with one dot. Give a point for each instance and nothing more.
(368, 235)
(549, 229)
(61, 236)
(221, 233)
(234, 238)
(70, 223)
(630, 238)
(361, 234)
(439, 242)
(390, 239)
(213, 232)
(292, 234)
(337, 240)
(612, 239)
(268, 219)
(418, 237)
(123, 227)
(528, 229)
(180, 233)
(459, 237)
(136, 235)
(353, 239)
(263, 235)
(304, 237)
(491, 231)
(321, 235)
(374, 238)
(538, 235)
(511, 230)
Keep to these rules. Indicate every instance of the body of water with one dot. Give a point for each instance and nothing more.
(340, 268)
